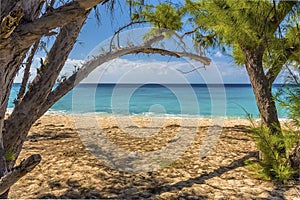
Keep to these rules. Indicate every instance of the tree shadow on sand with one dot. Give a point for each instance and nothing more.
(279, 190)
(201, 179)
(149, 192)
(75, 191)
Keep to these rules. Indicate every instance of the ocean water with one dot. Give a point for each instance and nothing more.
(196, 100)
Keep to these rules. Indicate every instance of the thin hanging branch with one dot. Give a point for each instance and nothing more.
(118, 32)
(194, 69)
(26, 73)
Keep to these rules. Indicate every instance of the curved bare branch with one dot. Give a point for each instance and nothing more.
(88, 67)
(192, 70)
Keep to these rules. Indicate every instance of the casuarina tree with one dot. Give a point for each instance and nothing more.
(264, 36)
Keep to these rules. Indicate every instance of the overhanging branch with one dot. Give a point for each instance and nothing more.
(27, 72)
(88, 67)
(151, 50)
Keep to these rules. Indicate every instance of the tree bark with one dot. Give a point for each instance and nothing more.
(4, 195)
(12, 53)
(6, 82)
(14, 48)
(10, 58)
(263, 94)
(262, 89)
(294, 158)
(26, 112)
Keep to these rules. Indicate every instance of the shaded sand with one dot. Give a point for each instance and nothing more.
(68, 170)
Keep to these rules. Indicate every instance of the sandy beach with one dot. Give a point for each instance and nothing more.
(72, 166)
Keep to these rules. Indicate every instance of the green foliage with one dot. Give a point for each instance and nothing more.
(292, 104)
(9, 156)
(240, 25)
(273, 164)
(283, 49)
(232, 22)
(289, 96)
(258, 171)
(249, 25)
(239, 57)
(163, 15)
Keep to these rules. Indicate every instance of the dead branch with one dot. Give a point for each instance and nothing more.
(190, 71)
(191, 32)
(118, 32)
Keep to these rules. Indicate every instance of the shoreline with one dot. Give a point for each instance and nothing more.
(152, 115)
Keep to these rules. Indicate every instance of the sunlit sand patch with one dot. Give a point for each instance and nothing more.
(69, 170)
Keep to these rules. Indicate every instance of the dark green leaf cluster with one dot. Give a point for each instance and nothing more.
(9, 156)
(163, 15)
(249, 25)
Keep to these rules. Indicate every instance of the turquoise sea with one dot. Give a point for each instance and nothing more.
(195, 100)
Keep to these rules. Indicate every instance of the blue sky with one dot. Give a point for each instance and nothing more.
(95, 32)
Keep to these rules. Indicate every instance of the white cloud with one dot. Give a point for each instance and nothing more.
(126, 71)
(232, 73)
(123, 70)
(285, 73)
(67, 70)
(218, 54)
(149, 70)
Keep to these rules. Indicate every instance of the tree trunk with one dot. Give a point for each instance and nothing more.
(6, 82)
(263, 95)
(26, 112)
(4, 195)
(294, 158)
(13, 133)
(262, 90)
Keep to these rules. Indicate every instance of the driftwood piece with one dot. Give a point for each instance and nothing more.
(19, 171)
